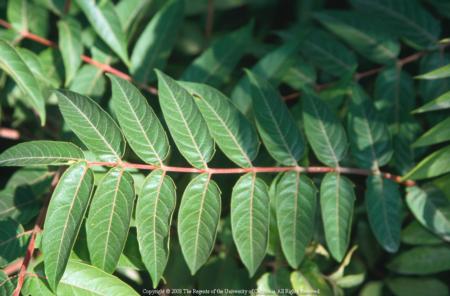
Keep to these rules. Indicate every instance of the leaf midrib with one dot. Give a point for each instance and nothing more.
(199, 221)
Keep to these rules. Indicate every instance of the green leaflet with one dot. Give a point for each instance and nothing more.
(406, 18)
(433, 165)
(328, 54)
(13, 241)
(295, 210)
(439, 73)
(41, 153)
(19, 203)
(383, 205)
(139, 122)
(154, 209)
(156, 42)
(250, 220)
(440, 103)
(63, 221)
(26, 16)
(337, 199)
(198, 219)
(106, 23)
(83, 279)
(109, 219)
(300, 75)
(95, 128)
(416, 234)
(185, 122)
(406, 286)
(361, 33)
(272, 66)
(230, 129)
(7, 285)
(277, 128)
(369, 136)
(69, 41)
(12, 63)
(130, 12)
(422, 260)
(431, 89)
(324, 131)
(215, 64)
(437, 134)
(431, 208)
(89, 81)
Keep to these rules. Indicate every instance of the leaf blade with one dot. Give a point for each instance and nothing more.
(70, 200)
(201, 200)
(109, 219)
(158, 197)
(69, 41)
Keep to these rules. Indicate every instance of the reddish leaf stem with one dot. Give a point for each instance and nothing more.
(218, 171)
(36, 229)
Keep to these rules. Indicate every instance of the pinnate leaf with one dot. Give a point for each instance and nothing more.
(383, 205)
(250, 220)
(369, 135)
(139, 122)
(13, 64)
(109, 218)
(295, 208)
(324, 131)
(230, 129)
(198, 219)
(105, 21)
(185, 122)
(41, 152)
(275, 124)
(154, 45)
(63, 221)
(95, 128)
(154, 209)
(337, 199)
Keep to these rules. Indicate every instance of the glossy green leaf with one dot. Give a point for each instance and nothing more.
(185, 122)
(337, 199)
(275, 124)
(41, 152)
(63, 220)
(437, 134)
(295, 210)
(433, 165)
(103, 18)
(383, 206)
(416, 234)
(154, 210)
(422, 260)
(14, 65)
(198, 219)
(154, 45)
(95, 128)
(230, 129)
(139, 122)
(250, 220)
(405, 18)
(369, 135)
(109, 218)
(272, 66)
(215, 64)
(324, 131)
(83, 279)
(404, 286)
(131, 11)
(431, 89)
(361, 33)
(431, 208)
(327, 53)
(13, 241)
(440, 103)
(439, 73)
(69, 41)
